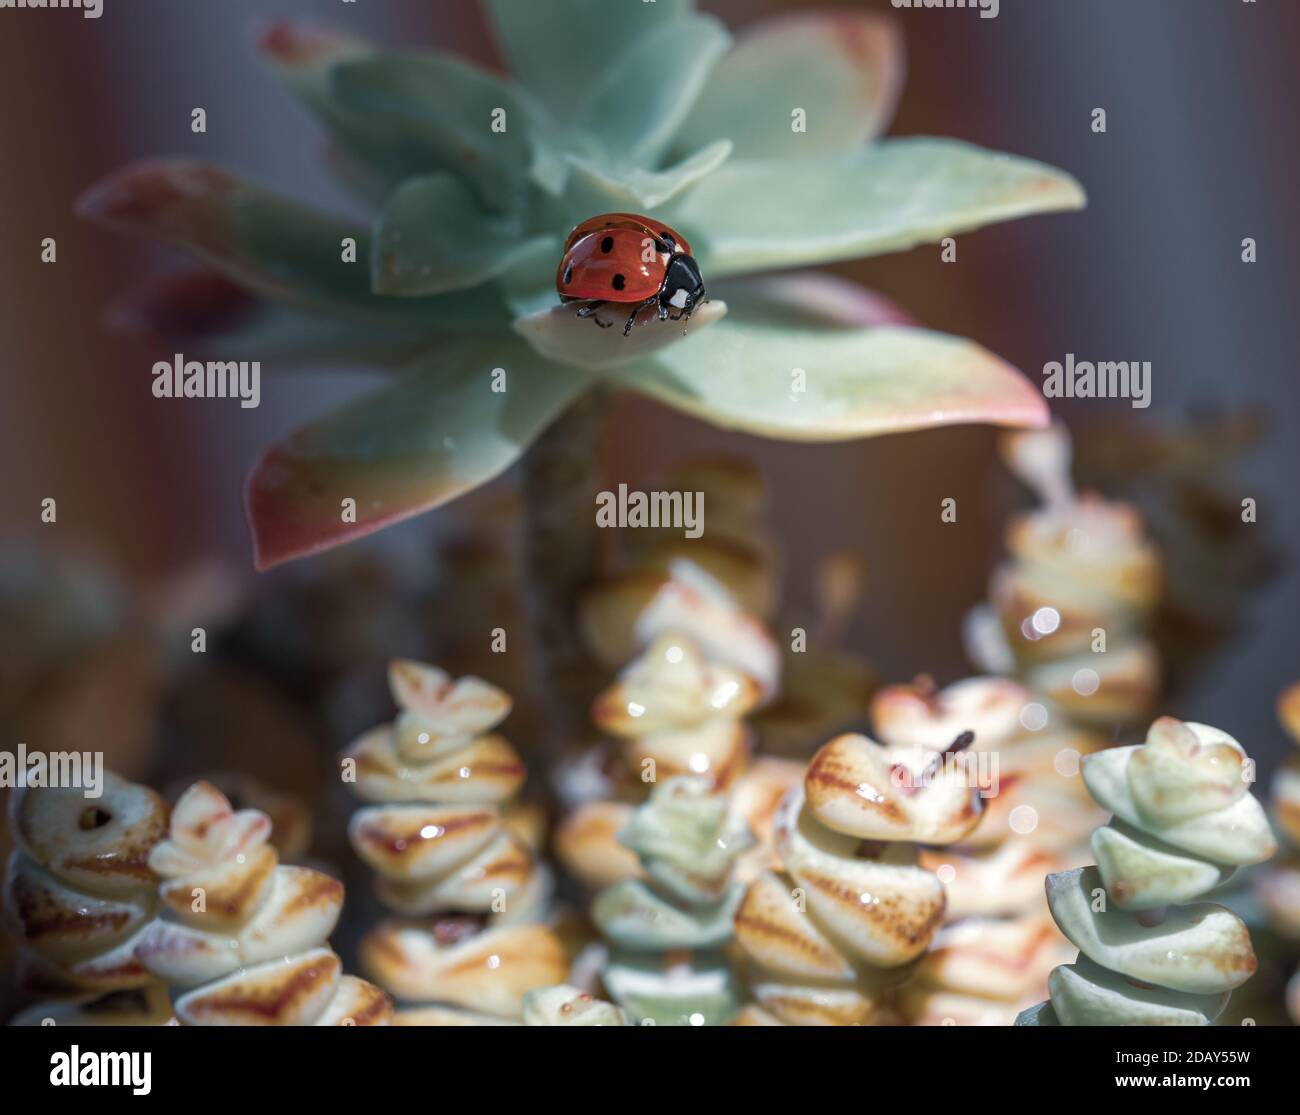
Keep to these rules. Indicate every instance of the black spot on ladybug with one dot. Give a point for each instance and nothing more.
(668, 238)
(619, 282)
(568, 275)
(607, 245)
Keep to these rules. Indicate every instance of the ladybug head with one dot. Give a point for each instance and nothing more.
(683, 287)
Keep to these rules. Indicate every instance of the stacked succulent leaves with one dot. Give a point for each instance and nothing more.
(998, 943)
(678, 710)
(473, 180)
(1068, 612)
(452, 854)
(243, 937)
(80, 893)
(1183, 822)
(668, 929)
(829, 936)
(681, 619)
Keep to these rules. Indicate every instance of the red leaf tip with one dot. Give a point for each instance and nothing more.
(291, 42)
(142, 192)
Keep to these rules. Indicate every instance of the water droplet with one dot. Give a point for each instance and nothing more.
(1023, 819)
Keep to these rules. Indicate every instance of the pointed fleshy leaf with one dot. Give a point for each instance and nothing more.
(560, 335)
(366, 157)
(435, 237)
(556, 48)
(751, 215)
(596, 188)
(638, 100)
(439, 431)
(843, 70)
(440, 111)
(833, 383)
(368, 154)
(208, 317)
(269, 244)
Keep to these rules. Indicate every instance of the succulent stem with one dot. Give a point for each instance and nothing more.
(560, 479)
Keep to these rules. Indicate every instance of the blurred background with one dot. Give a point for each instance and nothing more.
(1200, 151)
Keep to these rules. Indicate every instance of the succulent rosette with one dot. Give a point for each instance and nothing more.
(1183, 822)
(762, 148)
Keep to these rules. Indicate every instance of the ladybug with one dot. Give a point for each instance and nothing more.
(629, 260)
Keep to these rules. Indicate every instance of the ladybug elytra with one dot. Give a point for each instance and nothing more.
(625, 259)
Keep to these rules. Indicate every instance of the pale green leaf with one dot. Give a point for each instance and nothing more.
(752, 215)
(439, 431)
(434, 237)
(834, 383)
(557, 47)
(597, 188)
(636, 103)
(842, 70)
(270, 244)
(206, 316)
(441, 111)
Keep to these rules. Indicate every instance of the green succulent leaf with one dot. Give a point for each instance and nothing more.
(820, 382)
(633, 915)
(560, 335)
(208, 317)
(434, 237)
(439, 111)
(697, 988)
(637, 102)
(439, 431)
(751, 215)
(557, 48)
(594, 188)
(270, 244)
(843, 70)
(304, 57)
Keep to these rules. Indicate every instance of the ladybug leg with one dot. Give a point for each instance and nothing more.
(631, 321)
(589, 310)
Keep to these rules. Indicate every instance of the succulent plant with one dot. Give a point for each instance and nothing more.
(669, 929)
(79, 894)
(997, 945)
(1183, 821)
(763, 150)
(444, 836)
(1069, 613)
(829, 937)
(243, 937)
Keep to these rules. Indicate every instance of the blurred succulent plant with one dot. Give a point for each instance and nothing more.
(762, 151)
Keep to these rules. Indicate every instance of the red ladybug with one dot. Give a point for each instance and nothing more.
(629, 260)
